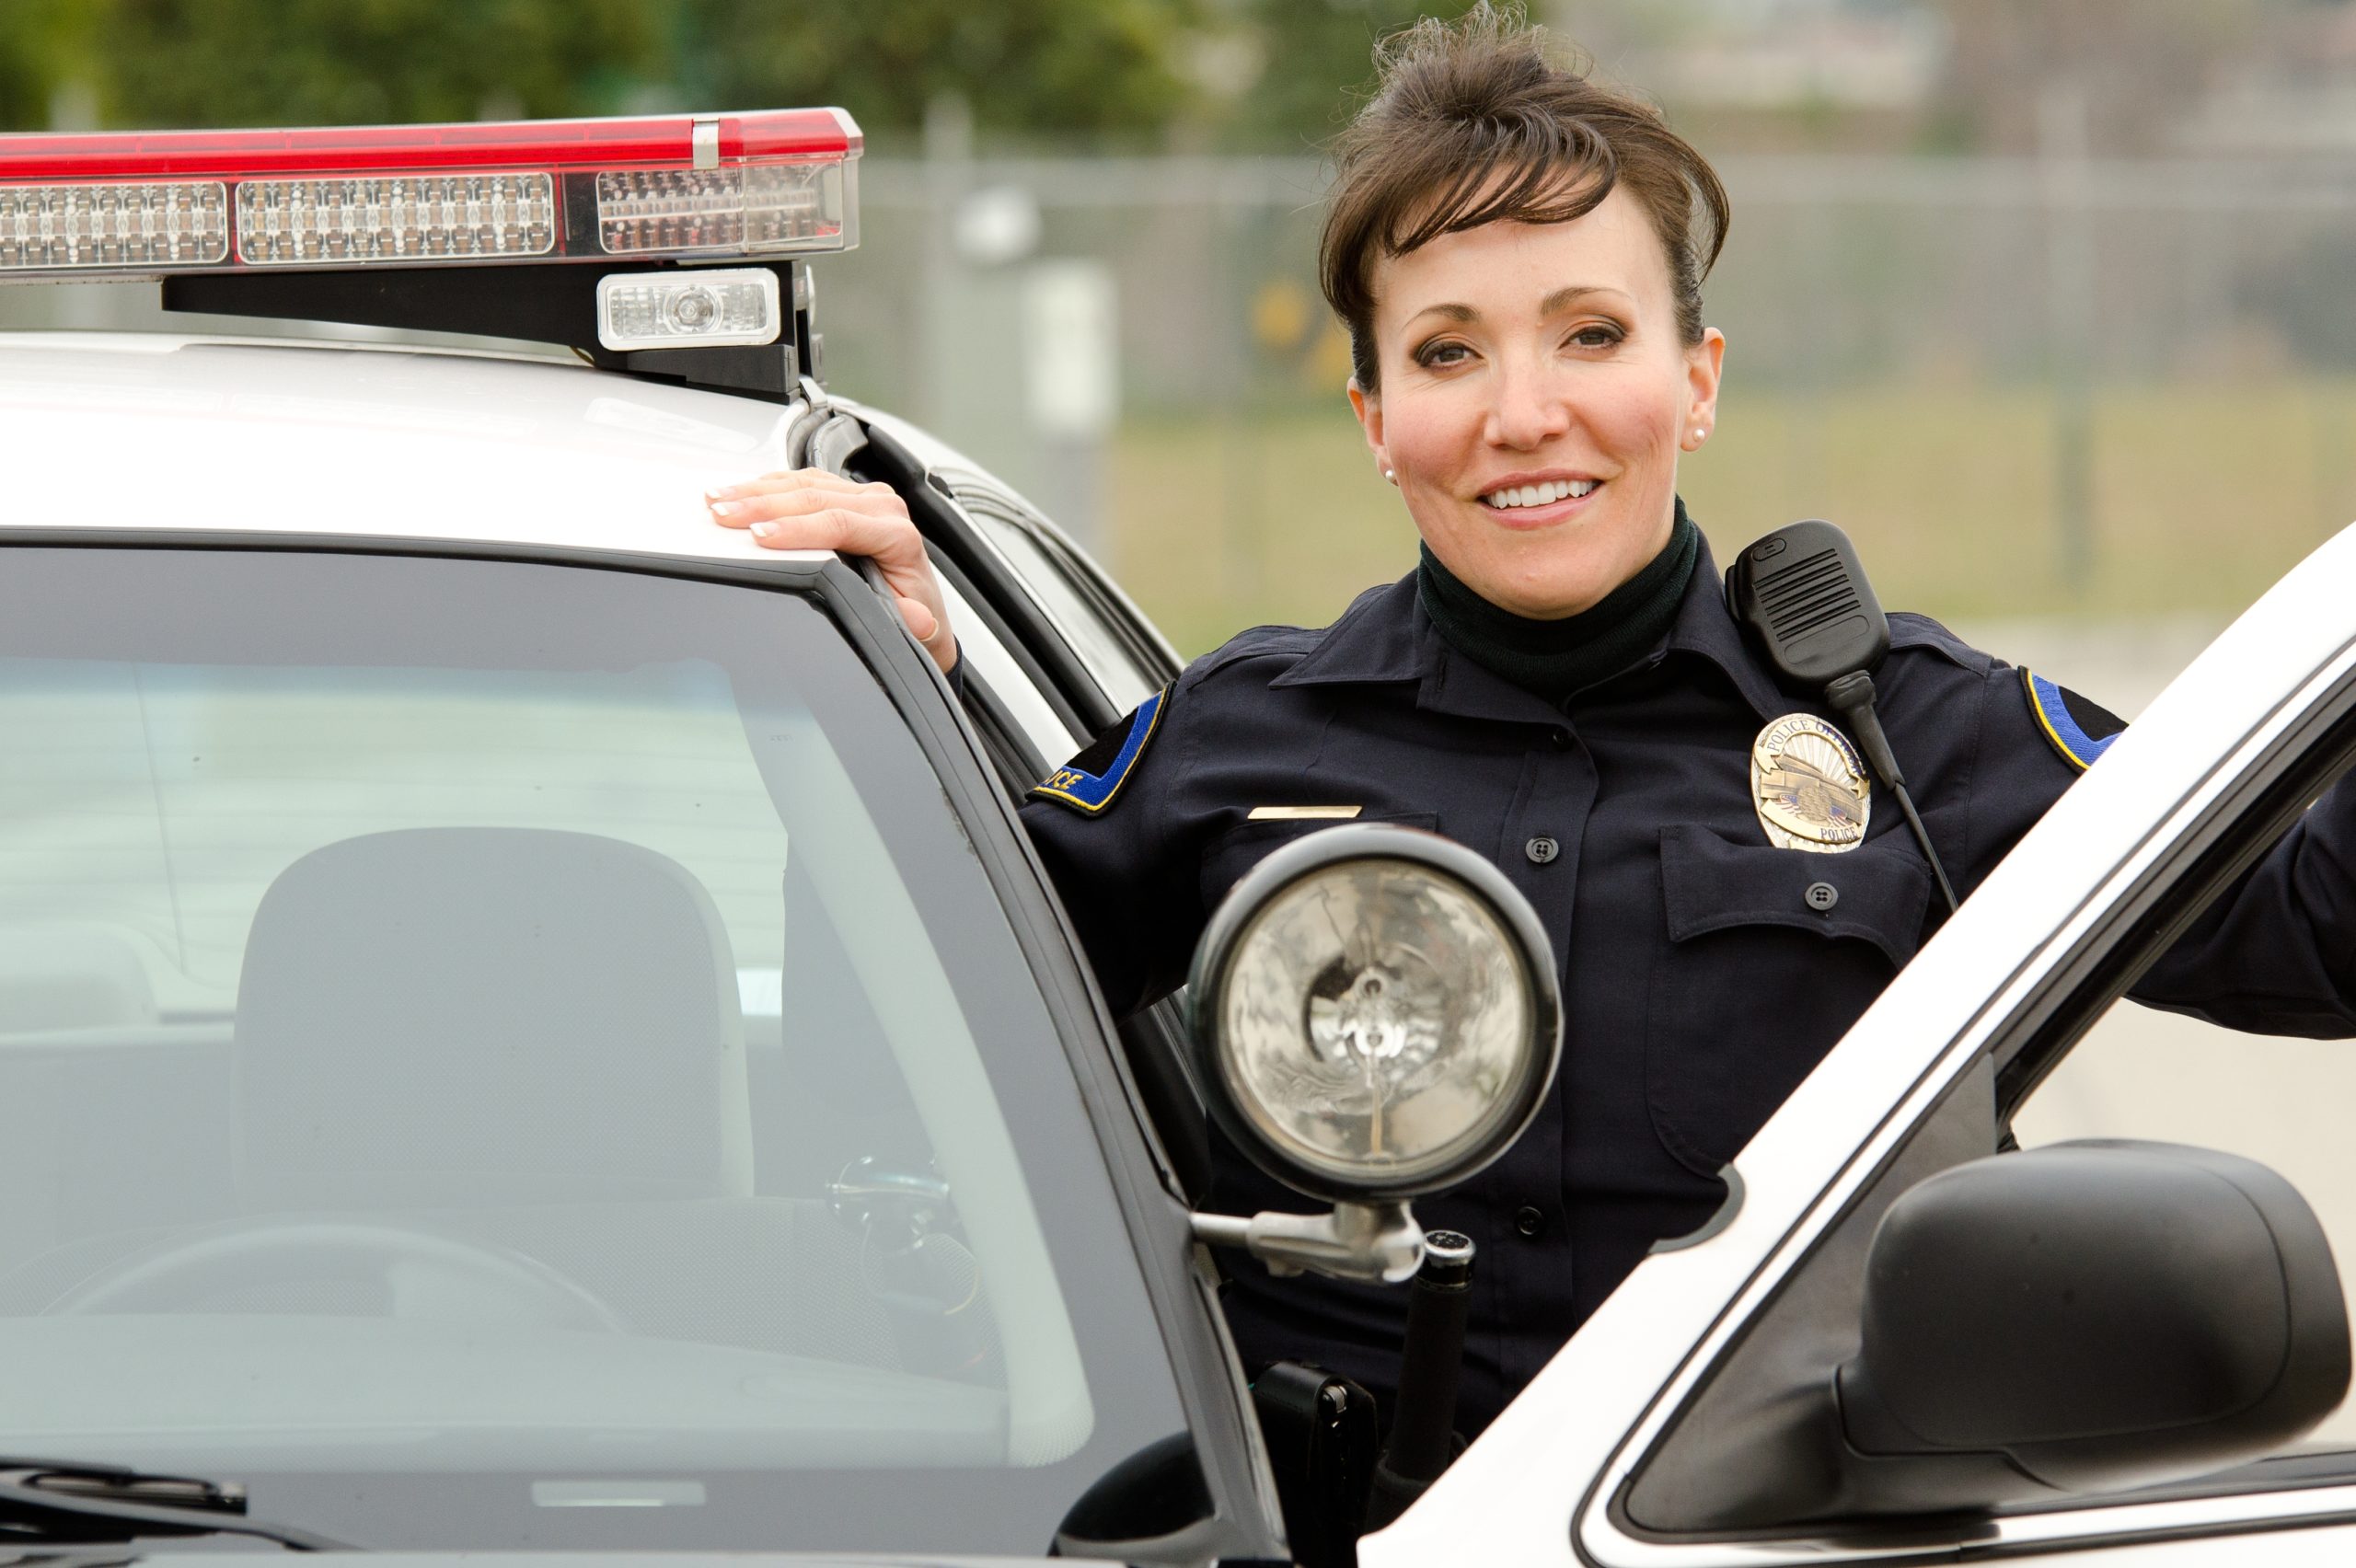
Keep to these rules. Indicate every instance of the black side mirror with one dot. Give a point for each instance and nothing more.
(2101, 1315)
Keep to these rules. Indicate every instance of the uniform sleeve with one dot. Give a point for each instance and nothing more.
(2016, 773)
(1111, 826)
(2271, 954)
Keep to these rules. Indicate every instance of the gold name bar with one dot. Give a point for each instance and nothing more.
(1303, 813)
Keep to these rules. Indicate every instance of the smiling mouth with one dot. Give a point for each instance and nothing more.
(1517, 496)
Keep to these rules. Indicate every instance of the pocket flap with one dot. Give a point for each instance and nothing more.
(1882, 888)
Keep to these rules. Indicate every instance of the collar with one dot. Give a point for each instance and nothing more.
(1386, 639)
(1705, 626)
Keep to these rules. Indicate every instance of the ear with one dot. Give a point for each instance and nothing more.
(1367, 406)
(1704, 362)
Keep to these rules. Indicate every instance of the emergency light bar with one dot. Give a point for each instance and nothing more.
(706, 187)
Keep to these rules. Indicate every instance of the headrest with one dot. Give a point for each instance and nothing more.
(479, 1016)
(70, 977)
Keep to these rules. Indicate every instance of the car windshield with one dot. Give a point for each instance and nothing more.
(513, 1054)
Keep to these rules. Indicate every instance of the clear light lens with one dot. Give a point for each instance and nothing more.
(44, 226)
(1376, 1022)
(402, 218)
(696, 309)
(746, 210)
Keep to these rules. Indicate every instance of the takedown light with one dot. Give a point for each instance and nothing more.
(697, 308)
(686, 187)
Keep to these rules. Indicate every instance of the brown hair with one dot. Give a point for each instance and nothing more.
(1473, 124)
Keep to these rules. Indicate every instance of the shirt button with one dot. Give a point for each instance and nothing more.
(1821, 896)
(1528, 1221)
(1541, 850)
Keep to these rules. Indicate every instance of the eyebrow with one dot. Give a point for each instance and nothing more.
(1561, 299)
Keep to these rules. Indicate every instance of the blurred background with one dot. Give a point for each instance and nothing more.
(2044, 300)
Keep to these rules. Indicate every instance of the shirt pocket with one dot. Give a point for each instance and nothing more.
(1756, 981)
(1236, 852)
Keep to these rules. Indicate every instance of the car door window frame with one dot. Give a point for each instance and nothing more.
(984, 578)
(1150, 663)
(1210, 1378)
(2230, 817)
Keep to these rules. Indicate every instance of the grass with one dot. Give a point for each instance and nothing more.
(2195, 499)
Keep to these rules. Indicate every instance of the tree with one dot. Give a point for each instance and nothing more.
(1036, 65)
(35, 38)
(1273, 75)
(1310, 63)
(205, 63)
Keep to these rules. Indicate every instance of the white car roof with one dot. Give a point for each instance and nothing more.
(162, 432)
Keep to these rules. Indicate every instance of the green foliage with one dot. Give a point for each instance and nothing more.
(1040, 65)
(35, 40)
(1264, 75)
(201, 63)
(1315, 64)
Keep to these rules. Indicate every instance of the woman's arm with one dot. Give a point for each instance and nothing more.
(809, 508)
(2272, 953)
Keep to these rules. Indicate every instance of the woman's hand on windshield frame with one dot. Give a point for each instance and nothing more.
(810, 509)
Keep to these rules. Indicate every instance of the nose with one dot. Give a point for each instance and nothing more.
(1531, 408)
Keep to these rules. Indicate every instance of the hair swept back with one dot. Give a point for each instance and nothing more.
(1486, 119)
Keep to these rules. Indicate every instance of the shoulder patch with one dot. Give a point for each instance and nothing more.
(1089, 781)
(2079, 730)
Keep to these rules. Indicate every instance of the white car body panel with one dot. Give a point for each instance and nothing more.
(1553, 1460)
(154, 432)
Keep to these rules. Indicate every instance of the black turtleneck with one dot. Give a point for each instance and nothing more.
(1556, 658)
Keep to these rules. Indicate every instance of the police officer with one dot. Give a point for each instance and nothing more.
(1518, 254)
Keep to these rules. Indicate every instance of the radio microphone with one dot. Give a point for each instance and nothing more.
(1803, 597)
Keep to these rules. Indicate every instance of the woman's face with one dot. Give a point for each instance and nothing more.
(1538, 363)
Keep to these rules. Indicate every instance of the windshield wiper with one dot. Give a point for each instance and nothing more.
(66, 1500)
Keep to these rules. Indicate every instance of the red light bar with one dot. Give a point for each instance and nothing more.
(642, 142)
(706, 187)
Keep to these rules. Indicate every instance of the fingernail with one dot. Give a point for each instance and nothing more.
(764, 530)
(723, 508)
(720, 492)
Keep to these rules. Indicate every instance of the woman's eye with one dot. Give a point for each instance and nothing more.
(1432, 354)
(1596, 337)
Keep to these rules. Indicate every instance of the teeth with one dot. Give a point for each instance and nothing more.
(1538, 495)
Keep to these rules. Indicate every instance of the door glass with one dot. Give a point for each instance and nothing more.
(2142, 1072)
(1077, 613)
(502, 1054)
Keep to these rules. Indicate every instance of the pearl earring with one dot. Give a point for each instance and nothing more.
(1392, 475)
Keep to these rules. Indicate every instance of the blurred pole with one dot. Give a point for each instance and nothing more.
(1071, 315)
(948, 174)
(2070, 309)
(1239, 448)
(979, 361)
(1820, 246)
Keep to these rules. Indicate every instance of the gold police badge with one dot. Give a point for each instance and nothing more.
(1809, 785)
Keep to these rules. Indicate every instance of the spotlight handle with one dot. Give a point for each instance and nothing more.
(1423, 1426)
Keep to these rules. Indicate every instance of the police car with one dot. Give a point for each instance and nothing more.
(527, 1022)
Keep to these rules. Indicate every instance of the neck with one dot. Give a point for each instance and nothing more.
(1555, 658)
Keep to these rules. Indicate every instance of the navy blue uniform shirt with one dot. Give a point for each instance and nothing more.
(1700, 982)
